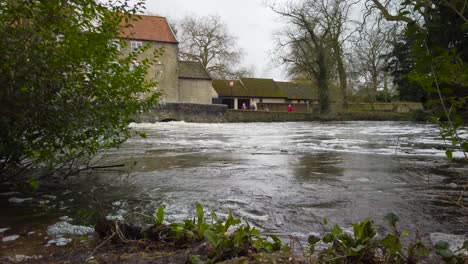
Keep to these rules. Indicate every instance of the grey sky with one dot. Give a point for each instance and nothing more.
(249, 20)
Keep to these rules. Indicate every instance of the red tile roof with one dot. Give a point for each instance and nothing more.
(153, 28)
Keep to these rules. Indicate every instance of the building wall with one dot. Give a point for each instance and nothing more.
(274, 100)
(195, 91)
(199, 113)
(164, 71)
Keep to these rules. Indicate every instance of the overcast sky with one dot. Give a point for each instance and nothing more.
(249, 20)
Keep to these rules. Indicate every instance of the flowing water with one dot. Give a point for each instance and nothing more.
(283, 178)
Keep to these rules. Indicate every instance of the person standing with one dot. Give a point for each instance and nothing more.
(244, 107)
(290, 108)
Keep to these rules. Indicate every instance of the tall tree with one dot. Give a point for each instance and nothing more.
(400, 65)
(207, 40)
(439, 29)
(369, 58)
(66, 91)
(304, 45)
(336, 15)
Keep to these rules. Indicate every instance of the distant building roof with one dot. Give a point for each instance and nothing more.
(153, 28)
(249, 87)
(193, 70)
(304, 90)
(265, 88)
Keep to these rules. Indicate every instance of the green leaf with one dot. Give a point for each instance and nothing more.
(325, 221)
(465, 245)
(457, 119)
(358, 248)
(465, 146)
(419, 250)
(313, 240)
(160, 215)
(277, 242)
(255, 232)
(392, 219)
(364, 231)
(336, 230)
(143, 135)
(195, 259)
(391, 243)
(268, 247)
(449, 154)
(214, 216)
(328, 238)
(442, 249)
(211, 237)
(230, 221)
(200, 214)
(33, 183)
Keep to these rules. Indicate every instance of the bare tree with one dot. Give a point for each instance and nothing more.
(337, 17)
(304, 45)
(245, 72)
(208, 41)
(369, 60)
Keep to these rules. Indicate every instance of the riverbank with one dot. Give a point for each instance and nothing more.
(209, 239)
(199, 113)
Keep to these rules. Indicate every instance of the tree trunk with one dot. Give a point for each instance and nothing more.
(342, 76)
(323, 83)
(386, 92)
(369, 97)
(373, 92)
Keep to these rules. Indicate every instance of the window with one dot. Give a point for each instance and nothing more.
(135, 45)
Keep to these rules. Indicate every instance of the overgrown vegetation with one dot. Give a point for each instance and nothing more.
(224, 239)
(213, 240)
(436, 35)
(66, 91)
(227, 239)
(363, 245)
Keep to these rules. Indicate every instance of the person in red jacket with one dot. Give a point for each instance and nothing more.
(290, 108)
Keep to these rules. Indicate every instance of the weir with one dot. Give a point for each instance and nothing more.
(217, 113)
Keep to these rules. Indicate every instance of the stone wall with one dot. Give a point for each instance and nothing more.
(397, 107)
(300, 108)
(215, 113)
(196, 91)
(197, 113)
(237, 116)
(368, 116)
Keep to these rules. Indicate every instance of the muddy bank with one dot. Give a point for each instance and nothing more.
(117, 242)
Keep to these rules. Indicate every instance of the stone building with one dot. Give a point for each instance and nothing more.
(265, 94)
(156, 32)
(179, 82)
(195, 83)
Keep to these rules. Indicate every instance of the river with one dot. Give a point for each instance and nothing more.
(283, 178)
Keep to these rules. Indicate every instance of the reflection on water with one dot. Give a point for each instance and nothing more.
(281, 177)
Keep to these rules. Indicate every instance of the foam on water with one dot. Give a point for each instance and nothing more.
(382, 138)
(65, 228)
(10, 238)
